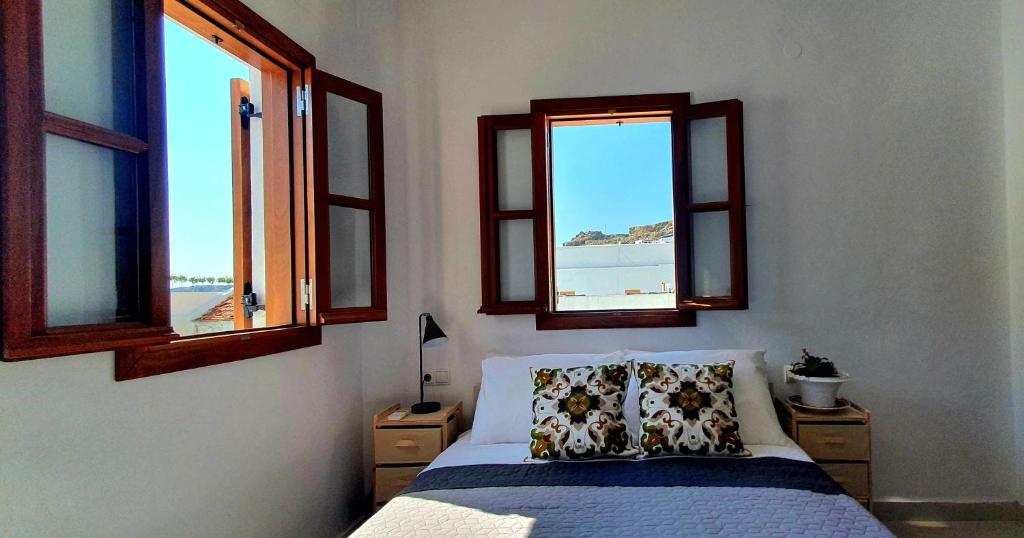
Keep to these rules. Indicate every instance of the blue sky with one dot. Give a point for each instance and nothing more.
(607, 177)
(610, 177)
(199, 112)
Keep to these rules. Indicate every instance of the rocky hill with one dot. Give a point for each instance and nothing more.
(647, 232)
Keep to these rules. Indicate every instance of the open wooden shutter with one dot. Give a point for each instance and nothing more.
(350, 281)
(512, 221)
(715, 210)
(83, 184)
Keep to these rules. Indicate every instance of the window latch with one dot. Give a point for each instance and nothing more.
(247, 110)
(249, 302)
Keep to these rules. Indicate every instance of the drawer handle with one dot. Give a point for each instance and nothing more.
(833, 440)
(407, 443)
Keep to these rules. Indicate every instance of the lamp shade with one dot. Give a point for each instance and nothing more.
(432, 334)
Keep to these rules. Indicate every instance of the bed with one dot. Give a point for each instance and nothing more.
(488, 490)
(757, 482)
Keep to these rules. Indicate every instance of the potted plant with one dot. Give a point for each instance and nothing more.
(819, 380)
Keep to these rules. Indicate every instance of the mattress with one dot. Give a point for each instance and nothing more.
(478, 490)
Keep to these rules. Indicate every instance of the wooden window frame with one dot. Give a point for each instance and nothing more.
(150, 347)
(545, 111)
(246, 35)
(324, 83)
(23, 177)
(595, 110)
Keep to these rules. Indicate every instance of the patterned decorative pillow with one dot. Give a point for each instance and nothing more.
(688, 409)
(577, 412)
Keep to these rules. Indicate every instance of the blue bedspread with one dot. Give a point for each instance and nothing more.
(664, 472)
(755, 497)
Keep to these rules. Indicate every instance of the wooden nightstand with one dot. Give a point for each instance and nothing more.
(402, 448)
(839, 442)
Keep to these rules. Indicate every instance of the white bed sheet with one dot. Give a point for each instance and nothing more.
(462, 452)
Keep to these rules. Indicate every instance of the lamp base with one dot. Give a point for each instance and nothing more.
(423, 408)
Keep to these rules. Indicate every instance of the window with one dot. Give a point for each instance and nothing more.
(613, 211)
(189, 231)
(227, 196)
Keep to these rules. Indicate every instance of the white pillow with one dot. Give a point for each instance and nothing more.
(504, 407)
(756, 414)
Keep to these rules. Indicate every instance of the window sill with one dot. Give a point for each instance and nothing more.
(79, 339)
(189, 353)
(512, 307)
(728, 302)
(615, 319)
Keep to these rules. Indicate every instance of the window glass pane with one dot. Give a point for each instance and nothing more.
(515, 244)
(89, 193)
(87, 58)
(515, 169)
(708, 164)
(613, 216)
(215, 256)
(350, 257)
(711, 273)
(348, 160)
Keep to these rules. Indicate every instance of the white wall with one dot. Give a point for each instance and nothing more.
(273, 446)
(877, 236)
(1013, 84)
(877, 218)
(255, 448)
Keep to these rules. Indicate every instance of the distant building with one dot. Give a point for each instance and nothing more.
(630, 275)
(202, 309)
(219, 318)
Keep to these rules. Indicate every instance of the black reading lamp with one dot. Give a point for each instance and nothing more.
(430, 336)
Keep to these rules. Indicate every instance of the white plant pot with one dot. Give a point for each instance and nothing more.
(820, 391)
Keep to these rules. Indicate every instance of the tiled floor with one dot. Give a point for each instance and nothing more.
(972, 529)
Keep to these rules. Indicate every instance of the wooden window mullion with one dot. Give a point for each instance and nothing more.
(681, 203)
(737, 204)
(543, 245)
(92, 134)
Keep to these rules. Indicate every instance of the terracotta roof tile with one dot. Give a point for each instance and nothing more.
(223, 311)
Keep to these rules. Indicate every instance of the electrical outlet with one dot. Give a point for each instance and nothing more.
(787, 373)
(436, 377)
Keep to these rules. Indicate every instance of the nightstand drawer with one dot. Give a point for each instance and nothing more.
(392, 480)
(853, 477)
(406, 445)
(835, 442)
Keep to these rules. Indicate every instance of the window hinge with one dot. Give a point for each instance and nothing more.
(307, 294)
(302, 100)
